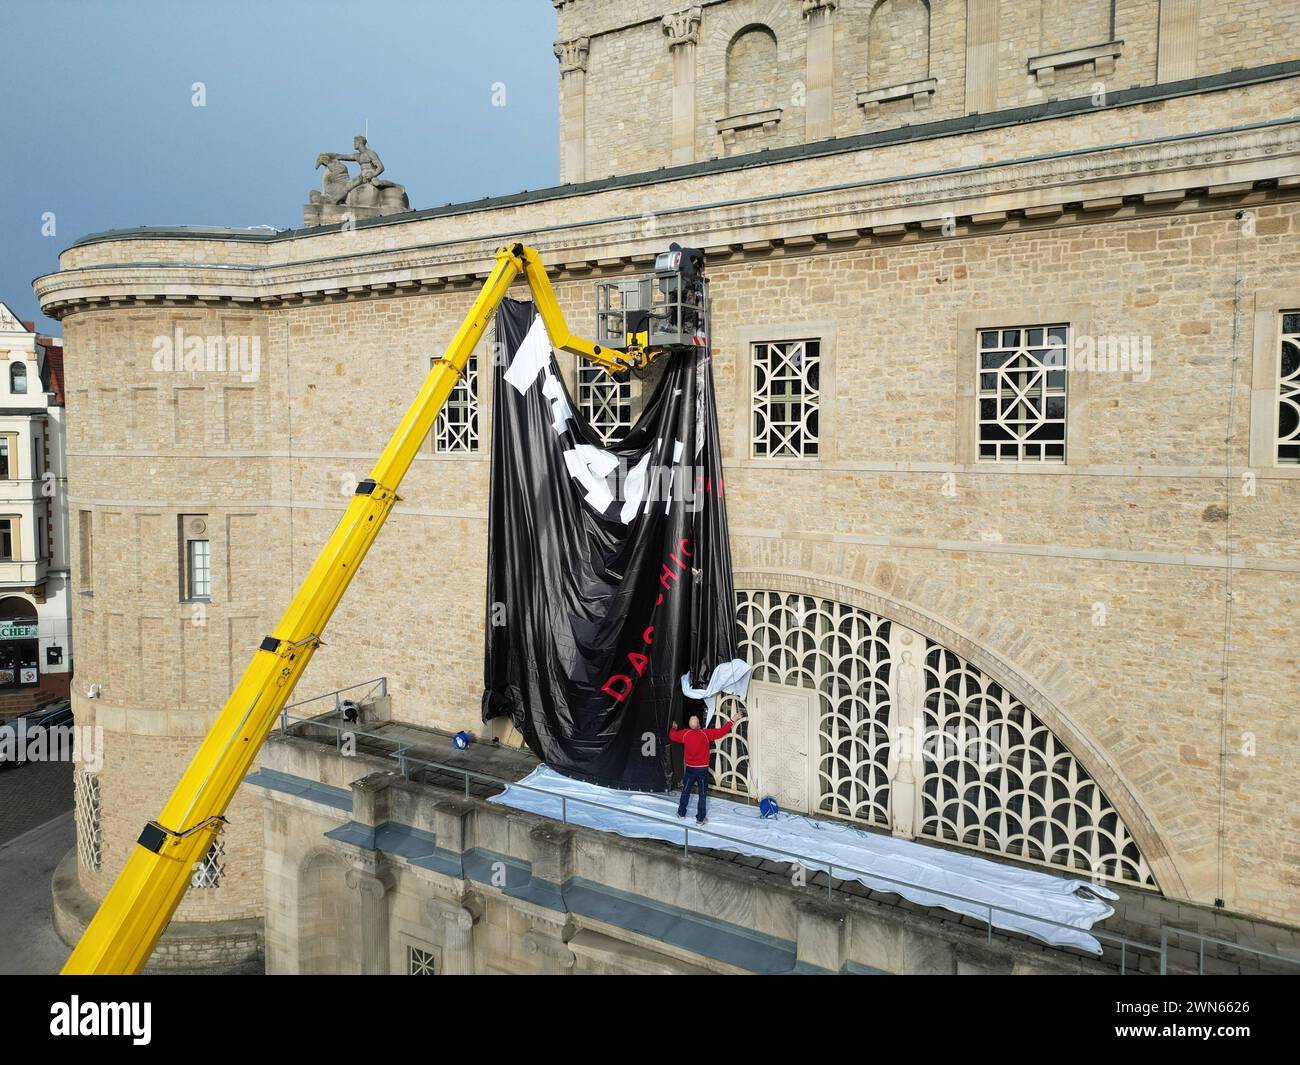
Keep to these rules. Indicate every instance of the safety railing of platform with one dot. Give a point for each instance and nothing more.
(1202, 938)
(364, 692)
(1125, 944)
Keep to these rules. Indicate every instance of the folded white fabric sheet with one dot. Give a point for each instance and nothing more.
(1031, 900)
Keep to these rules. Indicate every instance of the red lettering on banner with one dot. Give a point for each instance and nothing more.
(619, 686)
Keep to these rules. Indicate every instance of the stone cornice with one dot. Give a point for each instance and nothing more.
(1215, 169)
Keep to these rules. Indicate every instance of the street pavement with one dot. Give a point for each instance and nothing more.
(31, 794)
(29, 945)
(36, 831)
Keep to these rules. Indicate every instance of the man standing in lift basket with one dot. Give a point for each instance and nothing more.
(696, 745)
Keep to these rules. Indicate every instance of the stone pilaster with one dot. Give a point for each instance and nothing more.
(573, 106)
(981, 56)
(453, 928)
(1176, 51)
(682, 28)
(819, 118)
(370, 884)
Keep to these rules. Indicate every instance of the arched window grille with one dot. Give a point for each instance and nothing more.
(990, 776)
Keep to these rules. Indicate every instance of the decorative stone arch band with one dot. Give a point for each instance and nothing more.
(1141, 825)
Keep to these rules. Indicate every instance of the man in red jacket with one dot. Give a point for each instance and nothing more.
(695, 743)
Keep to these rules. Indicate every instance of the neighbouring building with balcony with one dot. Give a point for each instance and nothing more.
(35, 607)
(906, 207)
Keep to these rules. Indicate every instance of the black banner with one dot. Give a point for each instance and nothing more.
(610, 609)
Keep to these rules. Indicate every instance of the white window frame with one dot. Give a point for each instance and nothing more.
(209, 872)
(89, 819)
(1020, 367)
(421, 961)
(606, 402)
(1271, 307)
(460, 437)
(866, 694)
(823, 331)
(966, 412)
(1288, 388)
(196, 574)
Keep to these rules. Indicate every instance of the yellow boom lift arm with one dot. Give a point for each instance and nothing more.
(122, 935)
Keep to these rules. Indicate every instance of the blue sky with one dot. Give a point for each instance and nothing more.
(96, 98)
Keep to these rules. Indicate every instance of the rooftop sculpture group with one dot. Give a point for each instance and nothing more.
(346, 197)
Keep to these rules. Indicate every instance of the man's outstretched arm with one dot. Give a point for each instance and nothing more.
(718, 733)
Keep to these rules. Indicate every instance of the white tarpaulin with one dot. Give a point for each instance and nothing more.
(916, 871)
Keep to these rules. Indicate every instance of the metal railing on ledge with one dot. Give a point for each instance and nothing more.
(365, 692)
(407, 763)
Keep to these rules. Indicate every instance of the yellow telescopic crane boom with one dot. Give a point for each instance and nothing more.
(143, 898)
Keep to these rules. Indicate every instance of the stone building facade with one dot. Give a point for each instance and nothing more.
(35, 600)
(934, 525)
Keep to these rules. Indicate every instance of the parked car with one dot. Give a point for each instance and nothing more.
(13, 735)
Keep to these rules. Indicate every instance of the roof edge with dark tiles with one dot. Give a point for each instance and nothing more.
(1051, 109)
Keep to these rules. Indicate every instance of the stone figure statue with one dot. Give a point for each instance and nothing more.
(344, 196)
(334, 185)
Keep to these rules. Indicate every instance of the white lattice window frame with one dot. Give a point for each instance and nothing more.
(1022, 393)
(749, 399)
(456, 430)
(997, 779)
(847, 655)
(89, 820)
(794, 640)
(969, 325)
(785, 399)
(604, 401)
(421, 960)
(1288, 389)
(1273, 308)
(209, 872)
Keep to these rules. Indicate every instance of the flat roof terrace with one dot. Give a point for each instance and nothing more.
(429, 759)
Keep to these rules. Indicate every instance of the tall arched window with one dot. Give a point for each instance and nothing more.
(751, 71)
(899, 43)
(18, 378)
(856, 716)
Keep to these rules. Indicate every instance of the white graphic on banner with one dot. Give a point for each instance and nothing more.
(603, 476)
